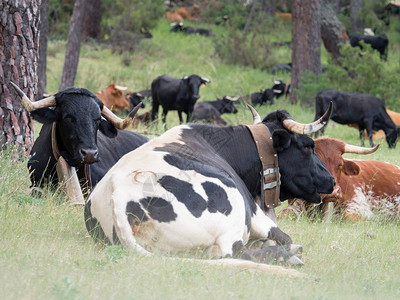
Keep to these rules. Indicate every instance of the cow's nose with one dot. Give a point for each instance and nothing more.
(89, 155)
(195, 97)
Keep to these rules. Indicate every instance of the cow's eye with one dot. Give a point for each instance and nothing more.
(69, 118)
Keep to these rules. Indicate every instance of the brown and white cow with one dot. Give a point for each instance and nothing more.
(113, 97)
(362, 186)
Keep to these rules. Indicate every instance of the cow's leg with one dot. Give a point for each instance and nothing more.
(361, 132)
(154, 110)
(368, 127)
(180, 116)
(164, 115)
(188, 117)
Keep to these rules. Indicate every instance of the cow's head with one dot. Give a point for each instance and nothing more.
(135, 99)
(188, 92)
(116, 97)
(78, 116)
(176, 27)
(228, 105)
(391, 136)
(303, 174)
(330, 151)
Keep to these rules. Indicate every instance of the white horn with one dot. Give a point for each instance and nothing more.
(30, 105)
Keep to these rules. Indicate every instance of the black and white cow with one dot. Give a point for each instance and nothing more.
(194, 188)
(85, 132)
(176, 94)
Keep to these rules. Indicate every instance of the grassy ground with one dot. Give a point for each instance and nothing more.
(46, 253)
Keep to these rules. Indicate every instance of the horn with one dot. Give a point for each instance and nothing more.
(231, 98)
(277, 82)
(205, 79)
(116, 121)
(309, 128)
(31, 106)
(359, 150)
(121, 88)
(256, 116)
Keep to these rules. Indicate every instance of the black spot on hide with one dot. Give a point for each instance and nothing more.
(217, 199)
(184, 193)
(188, 164)
(159, 209)
(135, 213)
(93, 226)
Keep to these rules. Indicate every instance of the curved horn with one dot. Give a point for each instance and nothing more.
(359, 150)
(31, 106)
(231, 98)
(256, 116)
(309, 128)
(121, 88)
(116, 121)
(205, 79)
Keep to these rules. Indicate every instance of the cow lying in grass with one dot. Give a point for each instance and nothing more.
(194, 189)
(363, 187)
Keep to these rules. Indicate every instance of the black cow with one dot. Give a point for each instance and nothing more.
(176, 94)
(211, 111)
(280, 88)
(365, 110)
(191, 30)
(85, 133)
(259, 98)
(378, 42)
(195, 188)
(134, 99)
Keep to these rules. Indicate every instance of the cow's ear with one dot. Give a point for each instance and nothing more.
(107, 129)
(44, 115)
(281, 139)
(350, 168)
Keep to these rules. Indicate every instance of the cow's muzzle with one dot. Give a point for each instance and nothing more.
(334, 196)
(89, 156)
(195, 97)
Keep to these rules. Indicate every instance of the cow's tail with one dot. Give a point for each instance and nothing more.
(121, 225)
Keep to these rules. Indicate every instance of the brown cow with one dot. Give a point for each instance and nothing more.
(113, 97)
(182, 13)
(380, 134)
(362, 186)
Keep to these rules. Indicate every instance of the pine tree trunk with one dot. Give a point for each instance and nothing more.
(333, 33)
(91, 25)
(19, 44)
(73, 46)
(44, 32)
(306, 41)
(356, 17)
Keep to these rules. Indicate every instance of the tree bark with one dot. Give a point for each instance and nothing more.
(333, 33)
(19, 44)
(306, 42)
(44, 32)
(73, 46)
(250, 18)
(91, 24)
(269, 7)
(356, 17)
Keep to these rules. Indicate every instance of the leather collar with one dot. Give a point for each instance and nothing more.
(270, 178)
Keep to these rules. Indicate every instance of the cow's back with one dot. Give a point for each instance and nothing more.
(164, 90)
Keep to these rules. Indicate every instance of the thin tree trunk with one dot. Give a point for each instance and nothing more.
(44, 32)
(250, 18)
(356, 17)
(19, 44)
(333, 33)
(73, 46)
(306, 41)
(91, 25)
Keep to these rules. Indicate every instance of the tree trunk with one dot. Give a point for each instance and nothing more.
(306, 41)
(269, 7)
(250, 18)
(44, 32)
(356, 17)
(19, 44)
(73, 45)
(91, 25)
(332, 31)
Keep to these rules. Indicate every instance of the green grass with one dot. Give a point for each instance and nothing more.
(46, 252)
